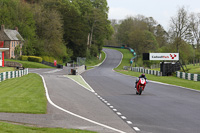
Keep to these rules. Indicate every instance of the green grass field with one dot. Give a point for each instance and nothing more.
(23, 95)
(6, 69)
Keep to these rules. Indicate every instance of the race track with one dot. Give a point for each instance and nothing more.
(160, 109)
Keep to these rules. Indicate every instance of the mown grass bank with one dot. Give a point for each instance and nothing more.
(29, 64)
(6, 69)
(23, 95)
(164, 79)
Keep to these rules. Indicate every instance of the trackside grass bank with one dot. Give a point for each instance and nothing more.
(23, 95)
(29, 64)
(16, 128)
(169, 80)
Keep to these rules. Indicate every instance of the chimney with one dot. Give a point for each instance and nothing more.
(2, 27)
(16, 28)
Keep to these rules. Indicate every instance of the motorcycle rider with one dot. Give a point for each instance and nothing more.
(141, 76)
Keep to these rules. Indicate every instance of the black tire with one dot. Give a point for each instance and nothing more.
(137, 93)
(140, 91)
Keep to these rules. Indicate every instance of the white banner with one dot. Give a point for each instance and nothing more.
(164, 56)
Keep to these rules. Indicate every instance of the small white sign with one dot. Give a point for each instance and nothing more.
(164, 56)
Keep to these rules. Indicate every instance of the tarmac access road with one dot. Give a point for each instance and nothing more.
(70, 106)
(160, 108)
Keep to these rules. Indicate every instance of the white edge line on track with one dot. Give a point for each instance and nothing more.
(90, 89)
(81, 117)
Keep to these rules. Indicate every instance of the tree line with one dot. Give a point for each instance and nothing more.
(145, 34)
(64, 29)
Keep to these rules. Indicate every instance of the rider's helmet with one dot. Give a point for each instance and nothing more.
(143, 75)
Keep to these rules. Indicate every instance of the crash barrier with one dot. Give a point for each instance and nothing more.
(77, 70)
(188, 76)
(52, 64)
(142, 70)
(13, 74)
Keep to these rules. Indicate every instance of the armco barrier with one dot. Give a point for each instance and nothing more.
(188, 76)
(13, 74)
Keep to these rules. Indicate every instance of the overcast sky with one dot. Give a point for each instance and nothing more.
(160, 10)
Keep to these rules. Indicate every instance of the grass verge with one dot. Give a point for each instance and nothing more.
(13, 128)
(6, 69)
(91, 63)
(23, 95)
(29, 64)
(78, 79)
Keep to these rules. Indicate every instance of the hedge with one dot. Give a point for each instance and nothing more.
(34, 59)
(31, 58)
(24, 58)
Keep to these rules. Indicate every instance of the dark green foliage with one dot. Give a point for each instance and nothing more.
(57, 28)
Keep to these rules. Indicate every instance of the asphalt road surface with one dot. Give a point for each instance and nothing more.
(160, 109)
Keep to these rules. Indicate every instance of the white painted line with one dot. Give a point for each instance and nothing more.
(111, 107)
(115, 110)
(90, 89)
(129, 122)
(86, 83)
(81, 117)
(105, 101)
(123, 117)
(119, 113)
(108, 104)
(136, 129)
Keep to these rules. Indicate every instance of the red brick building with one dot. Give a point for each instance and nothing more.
(11, 39)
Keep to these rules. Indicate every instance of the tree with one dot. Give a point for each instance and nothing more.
(195, 27)
(161, 35)
(179, 26)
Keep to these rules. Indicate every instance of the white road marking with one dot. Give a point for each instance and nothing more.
(111, 107)
(136, 129)
(115, 110)
(129, 122)
(108, 104)
(123, 117)
(81, 117)
(119, 113)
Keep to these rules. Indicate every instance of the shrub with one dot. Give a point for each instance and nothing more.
(24, 58)
(34, 59)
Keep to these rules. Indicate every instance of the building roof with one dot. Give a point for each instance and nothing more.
(13, 35)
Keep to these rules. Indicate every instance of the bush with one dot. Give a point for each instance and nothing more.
(24, 58)
(34, 59)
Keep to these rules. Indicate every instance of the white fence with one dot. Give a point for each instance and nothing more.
(13, 74)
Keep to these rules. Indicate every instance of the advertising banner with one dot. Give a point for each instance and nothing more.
(164, 56)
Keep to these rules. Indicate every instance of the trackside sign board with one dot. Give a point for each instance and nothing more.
(163, 56)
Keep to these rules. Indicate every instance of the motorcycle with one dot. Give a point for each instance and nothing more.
(140, 86)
